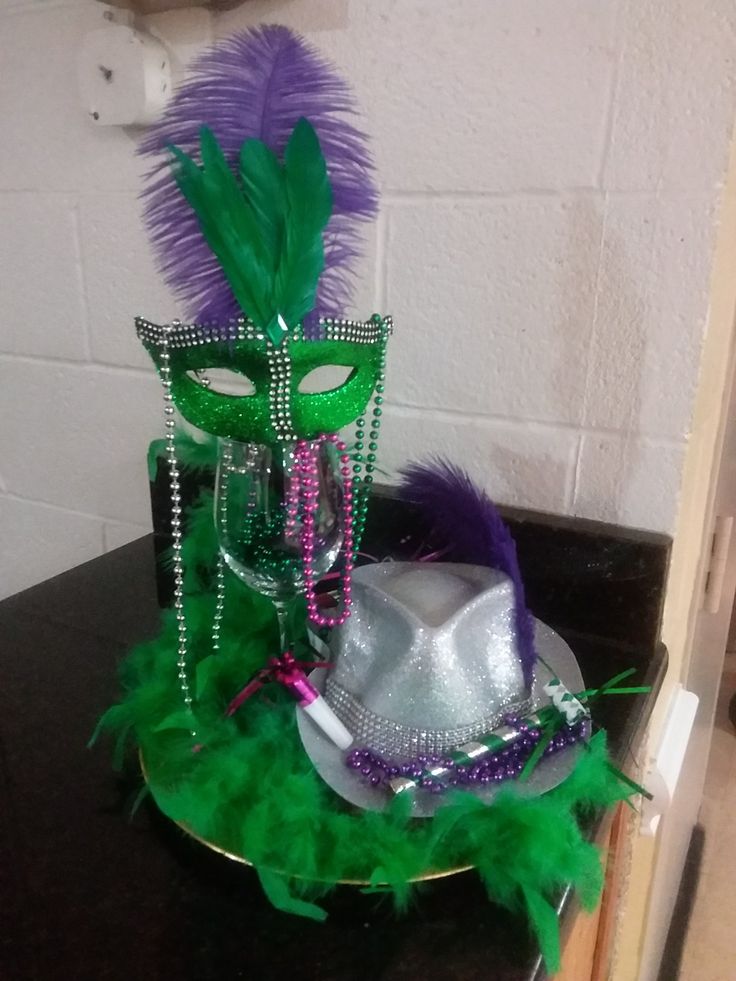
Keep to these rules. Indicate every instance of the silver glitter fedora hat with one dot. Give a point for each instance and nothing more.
(427, 662)
(428, 659)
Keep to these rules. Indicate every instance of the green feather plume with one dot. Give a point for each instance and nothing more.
(308, 204)
(228, 224)
(265, 225)
(262, 177)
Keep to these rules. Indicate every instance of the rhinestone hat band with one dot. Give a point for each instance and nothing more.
(391, 738)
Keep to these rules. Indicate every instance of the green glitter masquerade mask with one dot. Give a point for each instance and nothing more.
(266, 230)
(276, 410)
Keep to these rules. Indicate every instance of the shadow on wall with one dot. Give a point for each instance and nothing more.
(613, 364)
(576, 288)
(617, 318)
(624, 314)
(512, 474)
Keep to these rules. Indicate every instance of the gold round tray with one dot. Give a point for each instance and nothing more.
(213, 846)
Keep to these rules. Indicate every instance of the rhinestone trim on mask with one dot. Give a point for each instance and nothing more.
(179, 335)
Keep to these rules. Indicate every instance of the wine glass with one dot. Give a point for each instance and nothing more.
(259, 524)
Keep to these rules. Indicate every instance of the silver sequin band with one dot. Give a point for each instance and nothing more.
(404, 742)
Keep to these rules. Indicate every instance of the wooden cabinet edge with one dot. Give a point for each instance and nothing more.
(588, 949)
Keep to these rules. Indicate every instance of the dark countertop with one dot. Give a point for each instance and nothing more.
(89, 893)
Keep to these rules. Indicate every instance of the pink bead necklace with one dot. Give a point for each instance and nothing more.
(304, 497)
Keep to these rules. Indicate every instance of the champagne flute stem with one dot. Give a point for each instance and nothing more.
(282, 616)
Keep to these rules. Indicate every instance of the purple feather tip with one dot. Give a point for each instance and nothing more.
(465, 519)
(257, 84)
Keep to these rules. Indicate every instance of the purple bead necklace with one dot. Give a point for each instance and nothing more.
(376, 772)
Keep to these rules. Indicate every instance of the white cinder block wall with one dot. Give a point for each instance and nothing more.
(550, 174)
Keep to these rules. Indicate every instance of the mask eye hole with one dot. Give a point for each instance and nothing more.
(223, 381)
(325, 378)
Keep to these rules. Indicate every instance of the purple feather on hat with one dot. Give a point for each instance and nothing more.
(465, 519)
(257, 84)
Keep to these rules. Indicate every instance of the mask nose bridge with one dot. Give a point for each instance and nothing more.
(280, 390)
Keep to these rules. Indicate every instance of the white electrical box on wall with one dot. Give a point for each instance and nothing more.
(124, 76)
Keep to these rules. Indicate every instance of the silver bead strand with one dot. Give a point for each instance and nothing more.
(175, 488)
(227, 459)
(219, 602)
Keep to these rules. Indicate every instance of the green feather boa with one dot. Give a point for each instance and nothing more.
(251, 788)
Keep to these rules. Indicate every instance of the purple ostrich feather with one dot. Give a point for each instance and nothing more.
(465, 519)
(257, 83)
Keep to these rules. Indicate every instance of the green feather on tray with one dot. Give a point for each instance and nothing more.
(252, 790)
(266, 228)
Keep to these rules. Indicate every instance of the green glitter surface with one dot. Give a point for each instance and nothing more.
(247, 418)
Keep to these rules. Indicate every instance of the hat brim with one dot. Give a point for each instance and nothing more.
(329, 761)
